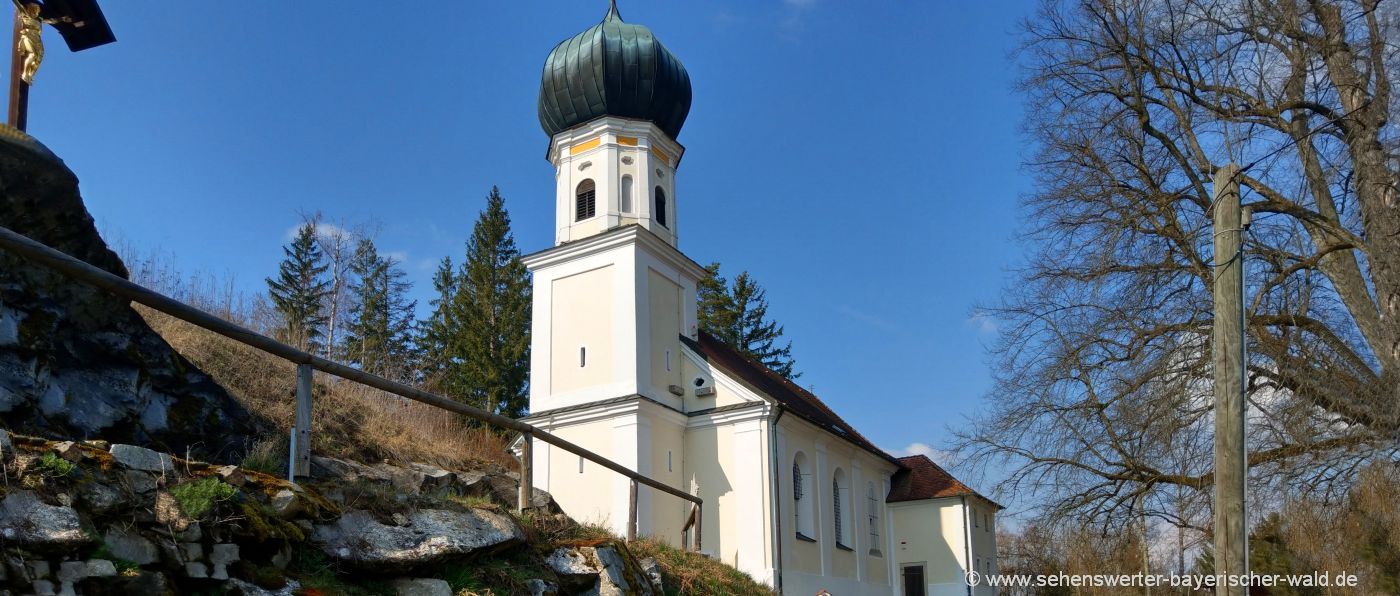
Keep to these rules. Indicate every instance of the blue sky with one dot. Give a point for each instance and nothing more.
(860, 159)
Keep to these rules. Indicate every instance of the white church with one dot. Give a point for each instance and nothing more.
(793, 495)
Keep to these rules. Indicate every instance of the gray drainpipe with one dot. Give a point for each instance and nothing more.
(967, 539)
(777, 511)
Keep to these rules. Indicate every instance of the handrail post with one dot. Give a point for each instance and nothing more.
(527, 479)
(698, 526)
(300, 458)
(632, 510)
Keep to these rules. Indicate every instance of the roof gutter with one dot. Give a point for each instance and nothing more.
(777, 525)
(967, 542)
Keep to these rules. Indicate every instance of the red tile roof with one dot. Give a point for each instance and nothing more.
(922, 479)
(794, 398)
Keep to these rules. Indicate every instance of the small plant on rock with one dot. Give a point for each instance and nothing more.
(54, 466)
(198, 497)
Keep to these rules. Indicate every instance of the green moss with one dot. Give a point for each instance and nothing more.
(198, 498)
(50, 464)
(264, 525)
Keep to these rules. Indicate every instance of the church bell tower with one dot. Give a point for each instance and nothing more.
(614, 296)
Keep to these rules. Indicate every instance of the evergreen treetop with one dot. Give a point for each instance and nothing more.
(299, 291)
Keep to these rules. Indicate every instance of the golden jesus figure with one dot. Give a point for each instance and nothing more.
(31, 40)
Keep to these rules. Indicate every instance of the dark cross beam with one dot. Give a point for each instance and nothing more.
(82, 26)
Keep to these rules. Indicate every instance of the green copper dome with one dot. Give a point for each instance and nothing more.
(613, 69)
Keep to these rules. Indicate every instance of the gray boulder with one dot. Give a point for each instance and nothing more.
(27, 522)
(603, 570)
(141, 458)
(431, 536)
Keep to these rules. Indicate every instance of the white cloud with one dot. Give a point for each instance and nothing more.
(983, 323)
(323, 230)
(939, 456)
(790, 27)
(399, 256)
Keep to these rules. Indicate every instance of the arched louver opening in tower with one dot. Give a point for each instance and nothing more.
(585, 200)
(660, 211)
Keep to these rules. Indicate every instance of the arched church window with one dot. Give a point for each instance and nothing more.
(660, 211)
(839, 506)
(872, 515)
(801, 500)
(626, 194)
(585, 200)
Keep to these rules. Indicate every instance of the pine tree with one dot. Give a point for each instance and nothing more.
(299, 292)
(483, 332)
(378, 336)
(737, 314)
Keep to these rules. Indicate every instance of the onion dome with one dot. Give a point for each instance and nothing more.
(613, 69)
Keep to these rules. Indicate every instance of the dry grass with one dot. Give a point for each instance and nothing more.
(349, 420)
(685, 572)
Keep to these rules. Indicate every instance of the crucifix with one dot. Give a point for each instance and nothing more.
(82, 26)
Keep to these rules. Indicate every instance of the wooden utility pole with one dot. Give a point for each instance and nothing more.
(1231, 540)
(18, 115)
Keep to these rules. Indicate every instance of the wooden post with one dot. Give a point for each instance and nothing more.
(19, 90)
(1231, 547)
(631, 511)
(300, 464)
(527, 480)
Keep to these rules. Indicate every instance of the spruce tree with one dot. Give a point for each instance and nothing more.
(484, 330)
(378, 336)
(737, 314)
(435, 333)
(716, 306)
(298, 293)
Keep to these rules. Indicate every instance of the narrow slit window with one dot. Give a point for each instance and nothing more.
(668, 360)
(580, 464)
(585, 200)
(660, 212)
(582, 356)
(668, 462)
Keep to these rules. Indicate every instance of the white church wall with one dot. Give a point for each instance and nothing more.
(663, 516)
(587, 491)
(935, 533)
(727, 463)
(582, 310)
(664, 306)
(812, 566)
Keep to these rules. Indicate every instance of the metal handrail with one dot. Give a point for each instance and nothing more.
(24, 246)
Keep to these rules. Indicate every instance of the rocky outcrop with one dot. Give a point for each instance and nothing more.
(166, 525)
(605, 570)
(76, 362)
(424, 538)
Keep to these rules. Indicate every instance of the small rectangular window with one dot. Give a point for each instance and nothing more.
(668, 360)
(580, 464)
(582, 356)
(668, 462)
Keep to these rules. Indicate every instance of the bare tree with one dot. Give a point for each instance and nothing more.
(1102, 392)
